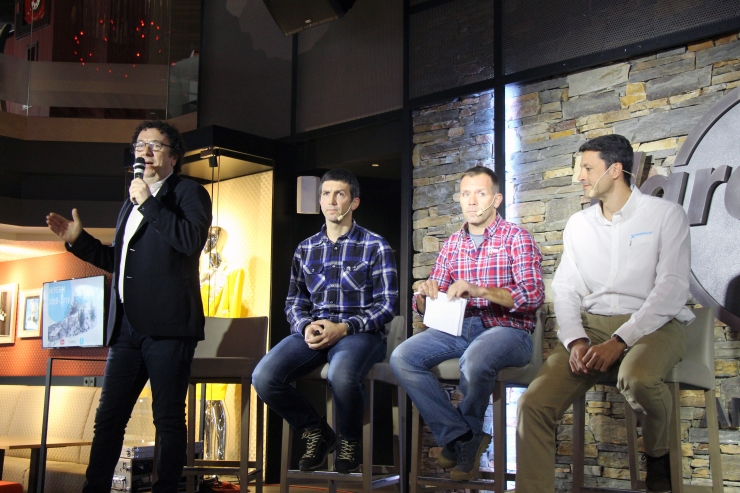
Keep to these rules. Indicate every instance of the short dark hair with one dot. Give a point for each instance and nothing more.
(482, 170)
(177, 143)
(613, 148)
(344, 176)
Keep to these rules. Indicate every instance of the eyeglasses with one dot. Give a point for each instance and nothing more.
(154, 145)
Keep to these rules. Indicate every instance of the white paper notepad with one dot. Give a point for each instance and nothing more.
(445, 314)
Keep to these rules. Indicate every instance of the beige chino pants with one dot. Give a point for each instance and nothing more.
(640, 378)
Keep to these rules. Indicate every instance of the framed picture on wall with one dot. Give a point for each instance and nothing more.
(8, 307)
(29, 311)
(31, 14)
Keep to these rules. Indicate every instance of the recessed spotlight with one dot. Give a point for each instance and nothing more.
(375, 165)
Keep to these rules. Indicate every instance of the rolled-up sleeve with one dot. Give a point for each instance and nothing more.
(528, 290)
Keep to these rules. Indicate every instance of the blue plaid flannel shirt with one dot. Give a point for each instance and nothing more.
(353, 280)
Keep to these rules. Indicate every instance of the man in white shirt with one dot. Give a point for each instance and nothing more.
(626, 262)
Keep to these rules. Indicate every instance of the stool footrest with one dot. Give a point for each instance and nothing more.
(480, 484)
(217, 463)
(378, 481)
(596, 489)
(210, 470)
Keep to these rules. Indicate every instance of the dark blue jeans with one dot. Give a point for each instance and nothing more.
(350, 359)
(132, 360)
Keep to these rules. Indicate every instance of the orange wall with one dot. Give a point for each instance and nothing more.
(26, 357)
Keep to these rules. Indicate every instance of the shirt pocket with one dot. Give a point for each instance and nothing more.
(354, 276)
(315, 276)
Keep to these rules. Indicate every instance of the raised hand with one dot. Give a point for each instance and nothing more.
(65, 229)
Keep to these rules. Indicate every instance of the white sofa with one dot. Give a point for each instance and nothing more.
(71, 415)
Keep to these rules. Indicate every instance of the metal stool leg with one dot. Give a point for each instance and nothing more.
(579, 424)
(287, 452)
(499, 437)
(632, 448)
(416, 447)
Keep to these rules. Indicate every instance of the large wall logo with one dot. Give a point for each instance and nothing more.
(706, 181)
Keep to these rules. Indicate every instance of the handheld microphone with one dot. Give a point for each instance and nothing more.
(139, 167)
(481, 211)
(341, 216)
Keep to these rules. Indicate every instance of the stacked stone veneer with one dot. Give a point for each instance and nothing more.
(654, 101)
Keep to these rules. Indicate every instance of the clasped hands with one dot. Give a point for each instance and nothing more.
(323, 334)
(585, 358)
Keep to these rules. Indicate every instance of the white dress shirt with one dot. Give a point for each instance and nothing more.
(638, 263)
(132, 224)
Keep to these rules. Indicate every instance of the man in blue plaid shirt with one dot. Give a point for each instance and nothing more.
(343, 290)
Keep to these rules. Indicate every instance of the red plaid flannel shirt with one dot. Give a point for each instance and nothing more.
(508, 258)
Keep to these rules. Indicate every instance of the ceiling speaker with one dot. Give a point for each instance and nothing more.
(293, 16)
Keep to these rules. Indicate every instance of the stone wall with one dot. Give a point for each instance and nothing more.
(654, 101)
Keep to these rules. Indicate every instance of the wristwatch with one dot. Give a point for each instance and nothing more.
(350, 328)
(615, 336)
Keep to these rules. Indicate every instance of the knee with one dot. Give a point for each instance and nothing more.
(477, 373)
(171, 420)
(397, 360)
(343, 383)
(531, 405)
(639, 386)
(261, 379)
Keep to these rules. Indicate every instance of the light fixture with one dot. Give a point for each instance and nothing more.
(200, 163)
(307, 195)
(375, 165)
(218, 153)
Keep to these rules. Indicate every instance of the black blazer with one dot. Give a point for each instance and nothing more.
(161, 288)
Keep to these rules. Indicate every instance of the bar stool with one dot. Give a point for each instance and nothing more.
(229, 353)
(372, 476)
(694, 372)
(449, 372)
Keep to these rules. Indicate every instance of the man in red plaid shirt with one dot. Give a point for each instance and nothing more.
(496, 265)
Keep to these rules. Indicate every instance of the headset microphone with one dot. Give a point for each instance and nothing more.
(341, 216)
(480, 212)
(592, 192)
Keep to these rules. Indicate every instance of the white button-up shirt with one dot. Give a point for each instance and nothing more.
(132, 224)
(638, 263)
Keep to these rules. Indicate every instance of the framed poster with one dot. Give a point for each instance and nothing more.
(29, 310)
(73, 313)
(31, 14)
(8, 306)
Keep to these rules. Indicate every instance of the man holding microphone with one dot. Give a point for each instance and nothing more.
(155, 318)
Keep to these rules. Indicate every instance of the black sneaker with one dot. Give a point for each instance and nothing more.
(658, 473)
(348, 457)
(468, 457)
(447, 458)
(319, 443)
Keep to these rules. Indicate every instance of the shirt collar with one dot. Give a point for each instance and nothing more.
(490, 229)
(349, 234)
(625, 212)
(154, 188)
